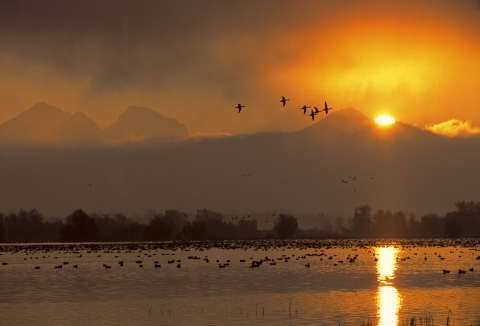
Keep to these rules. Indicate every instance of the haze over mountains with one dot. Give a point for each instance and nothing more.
(46, 124)
(333, 166)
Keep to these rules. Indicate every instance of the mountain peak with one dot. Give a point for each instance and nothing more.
(46, 124)
(345, 121)
(141, 123)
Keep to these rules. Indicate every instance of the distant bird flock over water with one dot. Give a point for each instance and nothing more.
(304, 108)
(145, 254)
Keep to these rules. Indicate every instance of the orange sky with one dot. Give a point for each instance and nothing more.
(418, 61)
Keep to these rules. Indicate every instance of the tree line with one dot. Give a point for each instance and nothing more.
(31, 226)
(464, 221)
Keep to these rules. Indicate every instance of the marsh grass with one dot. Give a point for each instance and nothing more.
(414, 321)
(420, 322)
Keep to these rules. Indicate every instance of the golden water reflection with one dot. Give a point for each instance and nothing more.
(388, 297)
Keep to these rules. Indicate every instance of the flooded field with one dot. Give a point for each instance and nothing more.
(297, 282)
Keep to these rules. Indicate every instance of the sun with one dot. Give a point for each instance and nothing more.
(384, 120)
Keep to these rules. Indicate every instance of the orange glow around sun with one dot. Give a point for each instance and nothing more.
(384, 120)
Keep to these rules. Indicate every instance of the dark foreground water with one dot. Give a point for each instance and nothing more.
(385, 282)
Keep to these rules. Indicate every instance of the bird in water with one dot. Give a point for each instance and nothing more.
(304, 108)
(284, 100)
(239, 107)
(313, 114)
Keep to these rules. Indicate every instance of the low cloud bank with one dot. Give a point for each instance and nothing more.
(454, 128)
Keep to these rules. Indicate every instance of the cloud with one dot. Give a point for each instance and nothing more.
(454, 128)
(196, 60)
(202, 135)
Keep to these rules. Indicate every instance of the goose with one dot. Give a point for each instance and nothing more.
(304, 108)
(326, 108)
(284, 100)
(239, 107)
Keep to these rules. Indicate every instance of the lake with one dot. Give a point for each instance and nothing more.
(297, 282)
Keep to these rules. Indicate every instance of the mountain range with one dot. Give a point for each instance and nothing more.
(46, 124)
(336, 164)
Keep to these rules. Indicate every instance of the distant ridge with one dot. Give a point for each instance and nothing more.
(143, 124)
(44, 124)
(334, 165)
(343, 125)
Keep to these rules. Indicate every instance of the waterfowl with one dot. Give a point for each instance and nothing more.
(239, 107)
(284, 100)
(326, 108)
(304, 108)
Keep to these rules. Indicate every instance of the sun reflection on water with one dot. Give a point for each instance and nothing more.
(388, 298)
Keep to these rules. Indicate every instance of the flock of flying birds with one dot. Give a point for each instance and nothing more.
(304, 108)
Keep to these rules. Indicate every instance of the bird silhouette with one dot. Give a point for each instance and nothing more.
(284, 100)
(326, 108)
(304, 108)
(239, 107)
(312, 115)
(317, 110)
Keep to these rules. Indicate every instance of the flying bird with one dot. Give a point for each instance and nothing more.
(284, 100)
(326, 108)
(313, 114)
(304, 108)
(239, 107)
(317, 110)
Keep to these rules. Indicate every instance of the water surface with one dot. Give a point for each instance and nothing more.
(347, 282)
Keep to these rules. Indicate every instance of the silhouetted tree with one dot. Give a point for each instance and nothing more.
(79, 227)
(285, 226)
(453, 228)
(2, 229)
(467, 216)
(157, 230)
(362, 220)
(215, 226)
(175, 220)
(388, 224)
(195, 230)
(247, 229)
(118, 228)
(413, 226)
(431, 225)
(28, 226)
